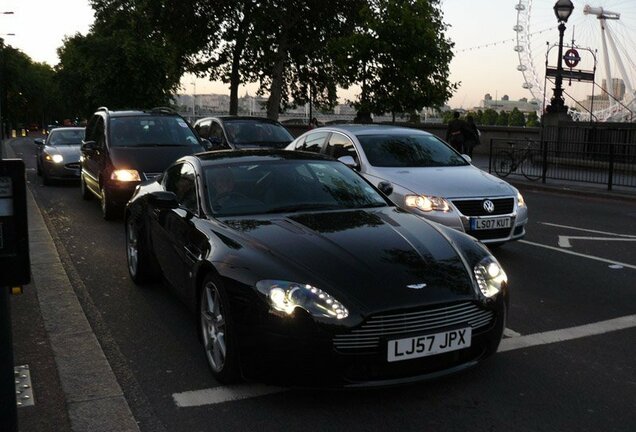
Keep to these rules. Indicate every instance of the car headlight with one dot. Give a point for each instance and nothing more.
(125, 175)
(520, 201)
(286, 296)
(490, 276)
(427, 203)
(56, 158)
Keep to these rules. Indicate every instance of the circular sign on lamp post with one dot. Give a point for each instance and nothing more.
(571, 58)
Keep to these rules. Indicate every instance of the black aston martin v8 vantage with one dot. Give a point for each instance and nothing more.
(301, 272)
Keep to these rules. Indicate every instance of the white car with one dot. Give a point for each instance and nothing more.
(422, 174)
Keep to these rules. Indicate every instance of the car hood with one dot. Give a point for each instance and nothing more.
(149, 159)
(366, 258)
(70, 153)
(450, 182)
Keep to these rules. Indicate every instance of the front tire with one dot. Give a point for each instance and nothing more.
(217, 331)
(137, 254)
(109, 210)
(87, 195)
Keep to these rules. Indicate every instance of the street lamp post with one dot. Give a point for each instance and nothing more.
(562, 9)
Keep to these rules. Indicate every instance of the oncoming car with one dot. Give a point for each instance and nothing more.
(302, 272)
(57, 156)
(425, 176)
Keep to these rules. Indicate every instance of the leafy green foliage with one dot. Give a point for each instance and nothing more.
(489, 117)
(516, 118)
(399, 55)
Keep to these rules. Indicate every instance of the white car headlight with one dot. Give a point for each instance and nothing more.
(56, 158)
(520, 201)
(427, 203)
(286, 296)
(125, 175)
(490, 276)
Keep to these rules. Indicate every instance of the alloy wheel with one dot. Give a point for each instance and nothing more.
(132, 248)
(213, 327)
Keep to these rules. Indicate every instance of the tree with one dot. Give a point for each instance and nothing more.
(28, 91)
(133, 55)
(399, 55)
(502, 120)
(489, 117)
(516, 118)
(533, 120)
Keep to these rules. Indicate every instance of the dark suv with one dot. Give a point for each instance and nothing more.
(124, 148)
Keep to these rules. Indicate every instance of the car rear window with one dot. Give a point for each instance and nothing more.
(249, 132)
(150, 131)
(407, 151)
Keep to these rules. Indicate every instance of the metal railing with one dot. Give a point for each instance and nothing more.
(607, 163)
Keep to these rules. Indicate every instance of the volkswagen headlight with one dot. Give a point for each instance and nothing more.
(427, 203)
(286, 296)
(490, 277)
(520, 201)
(125, 175)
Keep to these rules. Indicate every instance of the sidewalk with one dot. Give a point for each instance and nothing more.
(74, 387)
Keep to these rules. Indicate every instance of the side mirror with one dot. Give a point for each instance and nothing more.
(467, 158)
(163, 200)
(348, 161)
(89, 145)
(39, 142)
(216, 143)
(385, 187)
(207, 145)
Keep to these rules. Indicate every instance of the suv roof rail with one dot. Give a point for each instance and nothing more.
(102, 108)
(165, 110)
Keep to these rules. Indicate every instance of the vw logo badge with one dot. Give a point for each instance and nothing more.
(489, 206)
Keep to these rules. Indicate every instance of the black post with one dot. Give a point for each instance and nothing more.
(557, 104)
(8, 407)
(610, 174)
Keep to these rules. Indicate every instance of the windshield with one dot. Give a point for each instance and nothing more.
(247, 132)
(407, 151)
(62, 137)
(143, 131)
(286, 186)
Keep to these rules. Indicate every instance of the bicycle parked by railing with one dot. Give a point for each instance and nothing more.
(528, 160)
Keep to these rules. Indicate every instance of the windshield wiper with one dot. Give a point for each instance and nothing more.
(157, 145)
(299, 207)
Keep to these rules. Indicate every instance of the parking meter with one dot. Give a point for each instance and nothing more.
(14, 234)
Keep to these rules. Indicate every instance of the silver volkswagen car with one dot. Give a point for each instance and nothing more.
(422, 174)
(58, 156)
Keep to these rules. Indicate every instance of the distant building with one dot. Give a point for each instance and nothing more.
(507, 105)
(601, 101)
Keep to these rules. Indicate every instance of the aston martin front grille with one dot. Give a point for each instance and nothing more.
(367, 336)
(475, 207)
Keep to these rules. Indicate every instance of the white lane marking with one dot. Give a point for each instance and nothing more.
(217, 395)
(510, 333)
(587, 230)
(567, 334)
(222, 394)
(564, 241)
(554, 248)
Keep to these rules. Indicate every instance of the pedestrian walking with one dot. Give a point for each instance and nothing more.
(457, 132)
(471, 139)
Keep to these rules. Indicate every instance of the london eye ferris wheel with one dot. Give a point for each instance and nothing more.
(605, 27)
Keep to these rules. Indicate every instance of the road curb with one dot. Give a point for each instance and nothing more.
(94, 398)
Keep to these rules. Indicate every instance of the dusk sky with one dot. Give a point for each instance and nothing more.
(40, 26)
